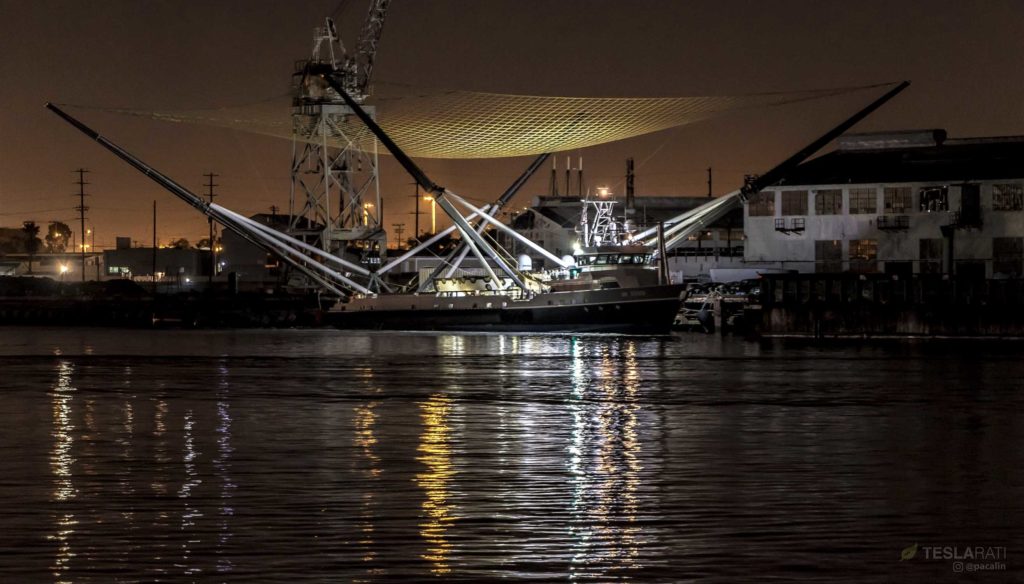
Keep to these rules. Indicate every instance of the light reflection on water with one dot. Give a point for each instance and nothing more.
(61, 462)
(481, 457)
(436, 454)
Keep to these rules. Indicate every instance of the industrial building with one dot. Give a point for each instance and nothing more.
(169, 265)
(902, 203)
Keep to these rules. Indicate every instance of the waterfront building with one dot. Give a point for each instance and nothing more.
(901, 203)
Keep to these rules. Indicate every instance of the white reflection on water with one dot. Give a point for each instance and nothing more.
(222, 466)
(125, 482)
(61, 462)
(436, 453)
(604, 460)
(190, 513)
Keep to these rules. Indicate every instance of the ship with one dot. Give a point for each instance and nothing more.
(612, 289)
(620, 287)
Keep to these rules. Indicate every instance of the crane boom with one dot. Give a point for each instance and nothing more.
(366, 48)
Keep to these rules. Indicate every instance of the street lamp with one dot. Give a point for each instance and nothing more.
(433, 214)
(63, 270)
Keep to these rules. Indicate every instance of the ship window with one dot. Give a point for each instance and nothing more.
(1007, 197)
(828, 202)
(863, 201)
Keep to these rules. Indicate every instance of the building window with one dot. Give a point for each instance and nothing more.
(761, 204)
(863, 201)
(863, 255)
(828, 256)
(828, 202)
(1007, 197)
(794, 203)
(931, 256)
(897, 199)
(1007, 256)
(934, 199)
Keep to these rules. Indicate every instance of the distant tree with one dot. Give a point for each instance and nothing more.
(58, 237)
(204, 243)
(32, 242)
(180, 243)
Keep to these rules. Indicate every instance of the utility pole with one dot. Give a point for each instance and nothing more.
(709, 182)
(213, 247)
(416, 204)
(81, 208)
(399, 228)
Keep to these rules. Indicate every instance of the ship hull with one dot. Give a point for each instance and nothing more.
(647, 310)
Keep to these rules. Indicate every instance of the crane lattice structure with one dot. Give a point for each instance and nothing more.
(335, 191)
(598, 225)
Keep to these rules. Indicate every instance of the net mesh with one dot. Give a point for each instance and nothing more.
(467, 124)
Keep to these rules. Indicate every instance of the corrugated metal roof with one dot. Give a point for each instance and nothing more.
(954, 161)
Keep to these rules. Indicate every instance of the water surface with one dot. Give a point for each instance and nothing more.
(327, 456)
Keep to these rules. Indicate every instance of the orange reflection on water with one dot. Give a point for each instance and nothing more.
(436, 453)
(365, 418)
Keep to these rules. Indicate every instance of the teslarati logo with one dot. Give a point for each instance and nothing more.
(964, 558)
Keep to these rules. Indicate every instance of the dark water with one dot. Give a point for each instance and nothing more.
(323, 456)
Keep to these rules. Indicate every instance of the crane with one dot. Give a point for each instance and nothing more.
(357, 67)
(334, 202)
(366, 49)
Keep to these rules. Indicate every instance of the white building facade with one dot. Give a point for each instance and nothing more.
(906, 203)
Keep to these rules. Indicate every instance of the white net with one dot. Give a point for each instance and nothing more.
(467, 124)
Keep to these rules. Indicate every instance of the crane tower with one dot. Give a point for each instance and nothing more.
(335, 193)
